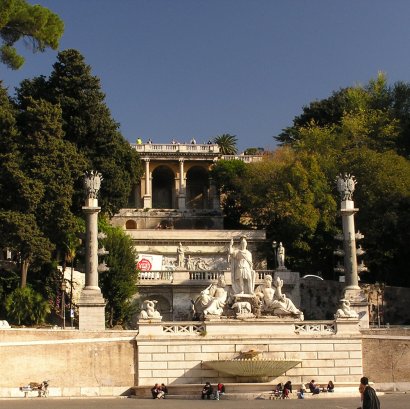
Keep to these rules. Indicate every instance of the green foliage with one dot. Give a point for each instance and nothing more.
(21, 20)
(25, 306)
(369, 137)
(228, 175)
(118, 284)
(9, 280)
(227, 143)
(87, 123)
(21, 234)
(253, 151)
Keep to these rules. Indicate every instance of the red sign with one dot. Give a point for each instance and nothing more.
(144, 265)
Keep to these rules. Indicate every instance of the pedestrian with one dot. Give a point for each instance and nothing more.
(207, 391)
(330, 387)
(155, 390)
(313, 387)
(287, 388)
(164, 389)
(302, 391)
(220, 390)
(369, 397)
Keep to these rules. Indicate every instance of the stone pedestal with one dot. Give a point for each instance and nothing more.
(91, 308)
(147, 202)
(358, 303)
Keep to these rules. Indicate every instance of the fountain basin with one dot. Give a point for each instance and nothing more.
(252, 368)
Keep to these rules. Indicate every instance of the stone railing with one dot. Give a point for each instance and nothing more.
(243, 158)
(148, 277)
(184, 329)
(175, 148)
(316, 327)
(270, 326)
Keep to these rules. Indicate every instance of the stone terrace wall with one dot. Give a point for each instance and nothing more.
(76, 363)
(387, 357)
(320, 300)
(179, 359)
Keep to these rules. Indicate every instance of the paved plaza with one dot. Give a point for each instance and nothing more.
(389, 401)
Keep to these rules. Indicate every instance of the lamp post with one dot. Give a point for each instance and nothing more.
(275, 258)
(63, 288)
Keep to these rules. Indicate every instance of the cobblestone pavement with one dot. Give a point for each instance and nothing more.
(388, 401)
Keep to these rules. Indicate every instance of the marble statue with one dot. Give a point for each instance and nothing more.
(242, 273)
(212, 300)
(180, 256)
(148, 311)
(92, 184)
(190, 264)
(242, 307)
(346, 186)
(274, 301)
(281, 255)
(345, 311)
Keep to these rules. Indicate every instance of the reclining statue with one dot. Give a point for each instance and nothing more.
(274, 301)
(212, 300)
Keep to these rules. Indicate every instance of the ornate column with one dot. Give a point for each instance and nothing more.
(352, 293)
(91, 304)
(346, 186)
(148, 194)
(182, 186)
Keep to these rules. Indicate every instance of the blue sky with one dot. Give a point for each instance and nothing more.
(199, 68)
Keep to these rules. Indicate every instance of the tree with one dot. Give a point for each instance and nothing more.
(25, 306)
(227, 143)
(370, 140)
(37, 25)
(228, 176)
(21, 234)
(118, 284)
(87, 123)
(53, 162)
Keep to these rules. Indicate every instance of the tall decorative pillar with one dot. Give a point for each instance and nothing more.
(148, 194)
(352, 292)
(91, 304)
(182, 186)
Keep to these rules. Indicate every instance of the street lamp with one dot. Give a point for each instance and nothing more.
(275, 258)
(63, 288)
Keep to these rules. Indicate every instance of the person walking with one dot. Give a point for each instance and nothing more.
(369, 397)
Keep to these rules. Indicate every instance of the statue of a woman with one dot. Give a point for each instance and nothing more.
(243, 275)
(281, 255)
(180, 256)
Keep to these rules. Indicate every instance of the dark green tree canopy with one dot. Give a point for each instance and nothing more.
(37, 25)
(87, 123)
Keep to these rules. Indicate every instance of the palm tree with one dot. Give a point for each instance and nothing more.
(227, 143)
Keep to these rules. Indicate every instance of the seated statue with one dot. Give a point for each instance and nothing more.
(273, 300)
(212, 300)
(345, 311)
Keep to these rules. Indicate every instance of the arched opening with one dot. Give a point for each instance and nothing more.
(197, 186)
(163, 180)
(130, 224)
